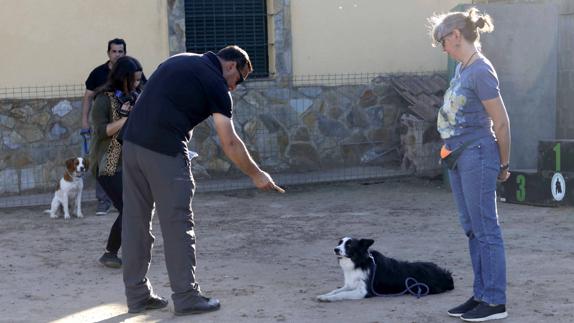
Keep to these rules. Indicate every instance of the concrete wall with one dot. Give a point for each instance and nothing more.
(523, 49)
(565, 92)
(60, 42)
(308, 36)
(357, 36)
(565, 95)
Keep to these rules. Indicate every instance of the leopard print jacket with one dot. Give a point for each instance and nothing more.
(113, 154)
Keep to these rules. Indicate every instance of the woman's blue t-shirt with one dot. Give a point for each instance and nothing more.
(462, 116)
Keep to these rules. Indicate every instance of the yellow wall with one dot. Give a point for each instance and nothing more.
(50, 42)
(358, 36)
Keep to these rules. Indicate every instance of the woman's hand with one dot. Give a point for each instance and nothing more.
(503, 175)
(126, 108)
(113, 127)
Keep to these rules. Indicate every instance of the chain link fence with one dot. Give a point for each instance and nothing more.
(42, 92)
(304, 129)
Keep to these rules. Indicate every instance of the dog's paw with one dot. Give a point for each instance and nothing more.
(324, 298)
(80, 215)
(53, 216)
(66, 216)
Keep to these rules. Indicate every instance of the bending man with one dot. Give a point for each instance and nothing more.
(184, 90)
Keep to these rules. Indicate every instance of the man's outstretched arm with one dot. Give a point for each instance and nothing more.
(235, 149)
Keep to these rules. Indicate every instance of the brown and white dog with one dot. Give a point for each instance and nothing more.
(69, 189)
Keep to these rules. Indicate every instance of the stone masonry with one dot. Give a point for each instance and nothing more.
(287, 129)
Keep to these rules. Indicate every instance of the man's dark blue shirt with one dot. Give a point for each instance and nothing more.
(183, 91)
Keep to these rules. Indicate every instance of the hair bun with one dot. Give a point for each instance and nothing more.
(480, 22)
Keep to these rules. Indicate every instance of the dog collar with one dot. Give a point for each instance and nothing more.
(72, 176)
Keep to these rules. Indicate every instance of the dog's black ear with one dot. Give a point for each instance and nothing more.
(366, 243)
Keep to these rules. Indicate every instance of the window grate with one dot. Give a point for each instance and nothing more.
(213, 24)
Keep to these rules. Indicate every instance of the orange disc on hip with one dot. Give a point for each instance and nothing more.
(444, 152)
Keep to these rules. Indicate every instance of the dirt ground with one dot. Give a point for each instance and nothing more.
(266, 257)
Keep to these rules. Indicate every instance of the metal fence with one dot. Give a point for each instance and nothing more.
(43, 92)
(304, 129)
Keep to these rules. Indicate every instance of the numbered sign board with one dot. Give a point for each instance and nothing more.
(556, 156)
(533, 188)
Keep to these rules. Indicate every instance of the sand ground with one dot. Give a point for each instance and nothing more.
(266, 257)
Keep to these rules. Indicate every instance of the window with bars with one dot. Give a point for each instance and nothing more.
(213, 24)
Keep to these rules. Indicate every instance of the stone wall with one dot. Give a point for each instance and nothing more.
(288, 129)
(176, 26)
(37, 137)
(295, 129)
(280, 40)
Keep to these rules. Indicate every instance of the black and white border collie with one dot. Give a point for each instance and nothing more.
(390, 276)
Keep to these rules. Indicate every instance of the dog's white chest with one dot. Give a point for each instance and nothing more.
(355, 283)
(353, 277)
(71, 188)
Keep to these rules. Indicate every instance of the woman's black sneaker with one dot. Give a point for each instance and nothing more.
(485, 312)
(111, 260)
(470, 304)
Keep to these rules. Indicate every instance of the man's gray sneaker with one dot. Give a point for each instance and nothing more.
(103, 207)
(485, 312)
(154, 302)
(201, 305)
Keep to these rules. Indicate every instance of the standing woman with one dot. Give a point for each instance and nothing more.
(476, 131)
(112, 105)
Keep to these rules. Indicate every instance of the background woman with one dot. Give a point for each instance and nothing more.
(474, 120)
(112, 105)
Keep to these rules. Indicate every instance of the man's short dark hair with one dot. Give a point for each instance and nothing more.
(236, 54)
(118, 41)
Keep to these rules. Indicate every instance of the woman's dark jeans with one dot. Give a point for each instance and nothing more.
(112, 185)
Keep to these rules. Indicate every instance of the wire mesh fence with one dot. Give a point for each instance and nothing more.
(304, 129)
(42, 92)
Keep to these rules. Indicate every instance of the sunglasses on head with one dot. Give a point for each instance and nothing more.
(241, 78)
